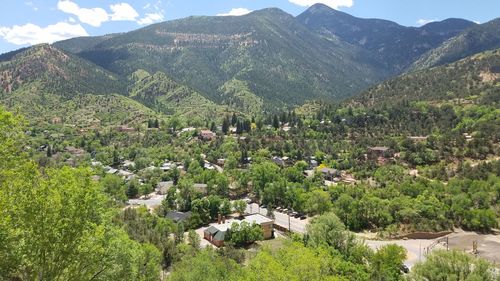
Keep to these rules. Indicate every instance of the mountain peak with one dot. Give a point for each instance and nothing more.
(270, 12)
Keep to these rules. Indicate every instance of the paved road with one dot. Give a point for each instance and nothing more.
(153, 201)
(281, 219)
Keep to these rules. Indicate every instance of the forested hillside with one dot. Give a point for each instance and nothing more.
(477, 39)
(279, 59)
(394, 45)
(473, 80)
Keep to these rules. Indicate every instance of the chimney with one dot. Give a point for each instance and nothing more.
(219, 219)
(223, 219)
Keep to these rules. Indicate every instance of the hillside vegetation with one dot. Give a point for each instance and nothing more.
(279, 59)
(475, 79)
(474, 40)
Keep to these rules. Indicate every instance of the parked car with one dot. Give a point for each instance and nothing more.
(404, 268)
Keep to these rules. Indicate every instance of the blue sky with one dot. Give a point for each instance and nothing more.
(27, 22)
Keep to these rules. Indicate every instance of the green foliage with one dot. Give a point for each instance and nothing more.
(329, 232)
(296, 262)
(386, 263)
(207, 265)
(244, 233)
(452, 265)
(239, 206)
(266, 55)
(457, 82)
(55, 225)
(395, 46)
(477, 39)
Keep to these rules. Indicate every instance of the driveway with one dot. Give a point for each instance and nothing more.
(154, 200)
(281, 219)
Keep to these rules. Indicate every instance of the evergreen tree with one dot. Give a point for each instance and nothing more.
(225, 126)
(276, 122)
(234, 119)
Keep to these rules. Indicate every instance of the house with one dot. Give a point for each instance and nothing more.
(207, 135)
(178, 216)
(128, 164)
(329, 174)
(216, 232)
(163, 186)
(75, 151)
(376, 152)
(221, 161)
(167, 166)
(125, 129)
(201, 187)
(279, 161)
(418, 138)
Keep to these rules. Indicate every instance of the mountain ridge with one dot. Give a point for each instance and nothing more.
(396, 45)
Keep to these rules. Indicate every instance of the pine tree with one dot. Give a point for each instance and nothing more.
(276, 122)
(225, 125)
(234, 119)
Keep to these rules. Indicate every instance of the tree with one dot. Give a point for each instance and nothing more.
(225, 207)
(318, 202)
(276, 122)
(386, 263)
(452, 265)
(132, 189)
(194, 239)
(49, 151)
(240, 206)
(244, 233)
(225, 126)
(114, 186)
(179, 233)
(328, 231)
(206, 265)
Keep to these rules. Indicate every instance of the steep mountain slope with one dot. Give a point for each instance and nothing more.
(46, 84)
(474, 40)
(56, 71)
(397, 46)
(279, 59)
(161, 93)
(475, 79)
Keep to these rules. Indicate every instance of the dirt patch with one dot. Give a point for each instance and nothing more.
(488, 245)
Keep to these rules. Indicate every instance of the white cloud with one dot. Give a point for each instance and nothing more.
(421, 22)
(30, 34)
(32, 5)
(331, 3)
(119, 12)
(123, 12)
(236, 12)
(72, 20)
(151, 18)
(94, 16)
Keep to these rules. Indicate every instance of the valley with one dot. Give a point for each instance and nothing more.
(265, 146)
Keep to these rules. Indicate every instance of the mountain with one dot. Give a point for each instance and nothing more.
(161, 93)
(474, 40)
(55, 71)
(45, 83)
(475, 79)
(395, 45)
(277, 58)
